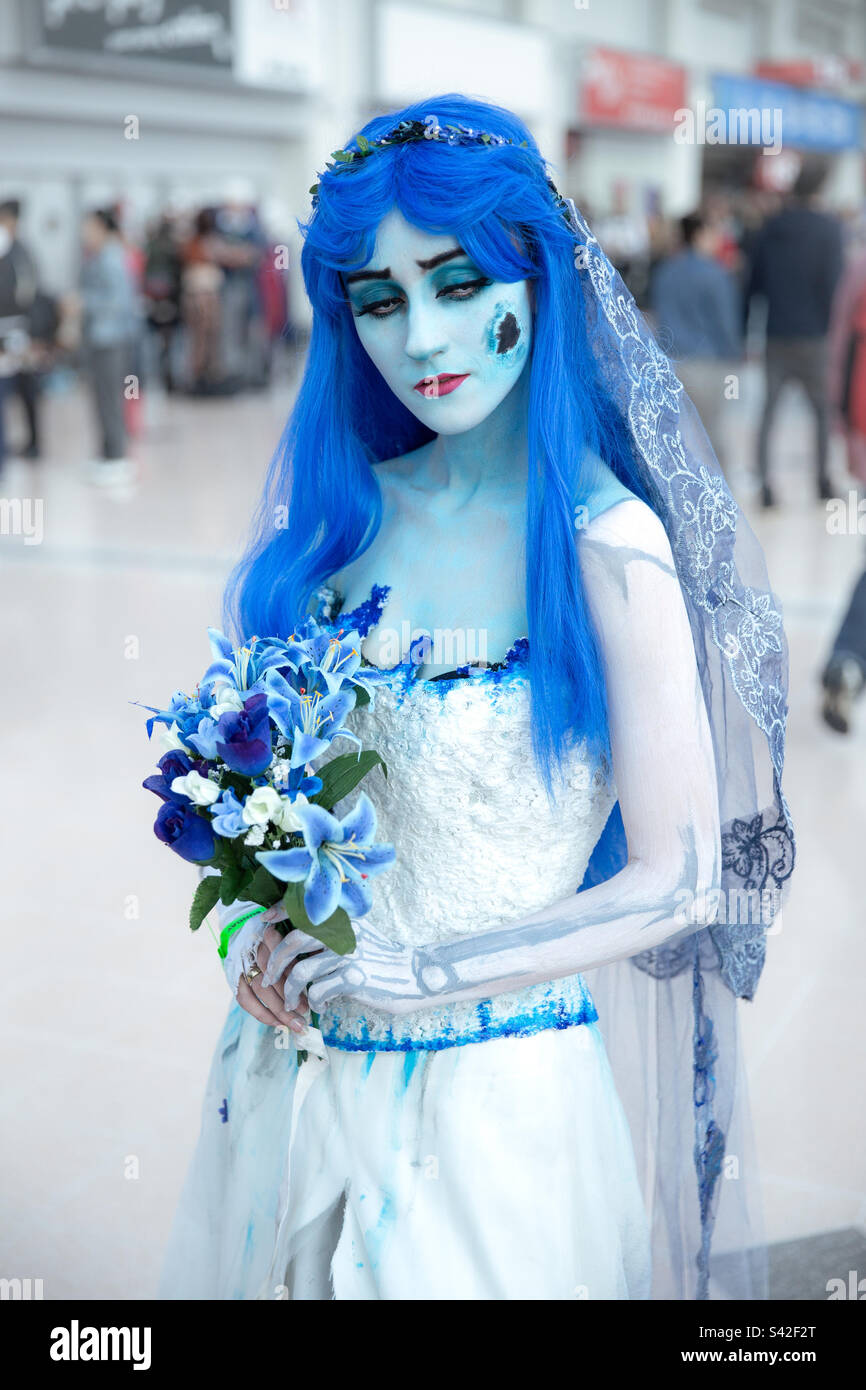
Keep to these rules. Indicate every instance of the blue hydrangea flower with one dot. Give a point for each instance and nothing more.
(228, 816)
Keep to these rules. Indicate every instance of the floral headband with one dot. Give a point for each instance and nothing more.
(405, 132)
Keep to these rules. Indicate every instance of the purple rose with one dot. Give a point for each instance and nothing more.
(171, 765)
(189, 834)
(244, 737)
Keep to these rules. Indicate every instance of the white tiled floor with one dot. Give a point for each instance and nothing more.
(111, 1008)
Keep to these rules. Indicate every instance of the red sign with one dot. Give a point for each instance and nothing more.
(630, 91)
(829, 72)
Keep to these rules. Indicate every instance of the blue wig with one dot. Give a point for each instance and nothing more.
(322, 481)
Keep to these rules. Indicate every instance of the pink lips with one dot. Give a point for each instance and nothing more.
(442, 385)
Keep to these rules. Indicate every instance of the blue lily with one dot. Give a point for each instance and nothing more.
(183, 710)
(337, 858)
(311, 721)
(244, 668)
(337, 659)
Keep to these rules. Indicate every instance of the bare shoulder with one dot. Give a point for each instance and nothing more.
(629, 527)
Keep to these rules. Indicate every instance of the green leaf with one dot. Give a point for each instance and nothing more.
(263, 888)
(363, 144)
(344, 156)
(315, 188)
(204, 900)
(232, 878)
(239, 784)
(336, 933)
(340, 776)
(362, 696)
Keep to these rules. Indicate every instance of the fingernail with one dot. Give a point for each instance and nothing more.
(295, 1026)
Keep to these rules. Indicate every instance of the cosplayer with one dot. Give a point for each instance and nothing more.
(529, 1083)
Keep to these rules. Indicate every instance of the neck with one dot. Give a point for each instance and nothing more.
(492, 456)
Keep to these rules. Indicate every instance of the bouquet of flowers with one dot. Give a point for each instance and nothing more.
(250, 780)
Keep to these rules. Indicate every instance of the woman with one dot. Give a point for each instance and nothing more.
(109, 326)
(202, 285)
(487, 445)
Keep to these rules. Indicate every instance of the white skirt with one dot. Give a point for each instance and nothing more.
(500, 1169)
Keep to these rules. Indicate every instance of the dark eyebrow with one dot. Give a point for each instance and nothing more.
(367, 275)
(438, 260)
(386, 273)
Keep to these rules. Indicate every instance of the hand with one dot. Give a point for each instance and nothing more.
(253, 944)
(378, 972)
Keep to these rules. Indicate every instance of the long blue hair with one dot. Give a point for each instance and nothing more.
(321, 505)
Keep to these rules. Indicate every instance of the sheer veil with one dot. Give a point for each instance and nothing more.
(669, 1016)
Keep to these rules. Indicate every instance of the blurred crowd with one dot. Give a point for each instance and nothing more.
(770, 275)
(198, 306)
(755, 275)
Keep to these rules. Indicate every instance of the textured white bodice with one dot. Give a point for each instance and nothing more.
(478, 843)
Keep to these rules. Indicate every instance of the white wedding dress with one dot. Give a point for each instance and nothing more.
(472, 1151)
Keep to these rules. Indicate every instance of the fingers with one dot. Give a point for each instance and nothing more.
(266, 1004)
(303, 972)
(271, 998)
(272, 938)
(277, 913)
(321, 992)
(286, 951)
(254, 1006)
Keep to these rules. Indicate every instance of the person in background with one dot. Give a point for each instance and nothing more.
(201, 306)
(695, 307)
(844, 675)
(18, 287)
(109, 324)
(161, 281)
(796, 261)
(241, 244)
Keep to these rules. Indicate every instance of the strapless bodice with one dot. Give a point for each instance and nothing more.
(478, 842)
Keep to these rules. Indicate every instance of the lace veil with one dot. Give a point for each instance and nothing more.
(670, 1015)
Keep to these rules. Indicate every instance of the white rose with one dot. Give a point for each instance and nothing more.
(285, 817)
(200, 790)
(171, 739)
(227, 699)
(263, 805)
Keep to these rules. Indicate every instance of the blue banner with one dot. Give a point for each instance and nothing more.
(809, 120)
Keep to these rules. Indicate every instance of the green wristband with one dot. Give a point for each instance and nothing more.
(228, 932)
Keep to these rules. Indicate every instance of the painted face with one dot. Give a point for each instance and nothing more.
(449, 342)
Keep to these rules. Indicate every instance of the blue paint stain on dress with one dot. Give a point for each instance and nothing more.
(566, 1007)
(410, 1061)
(404, 674)
(375, 1238)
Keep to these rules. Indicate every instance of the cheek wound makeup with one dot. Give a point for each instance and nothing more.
(505, 335)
